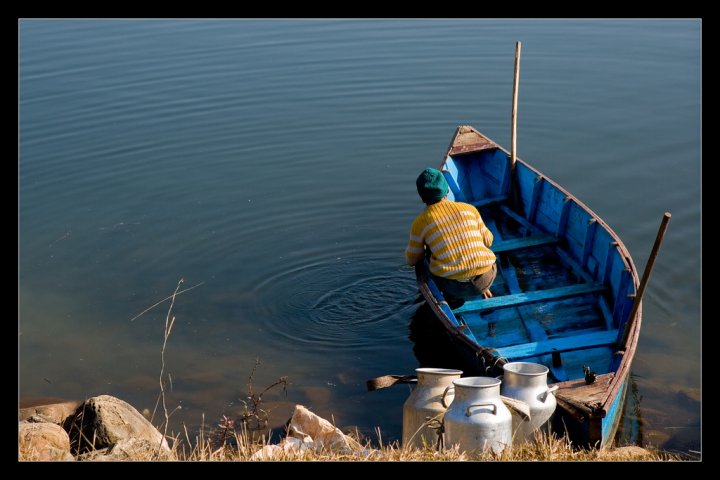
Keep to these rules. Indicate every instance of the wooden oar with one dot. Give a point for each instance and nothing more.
(388, 381)
(513, 115)
(514, 195)
(643, 283)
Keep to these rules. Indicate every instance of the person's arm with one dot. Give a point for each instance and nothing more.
(415, 249)
(485, 232)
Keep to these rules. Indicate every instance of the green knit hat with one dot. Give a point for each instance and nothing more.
(431, 186)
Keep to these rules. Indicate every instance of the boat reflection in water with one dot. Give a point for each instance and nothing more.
(432, 347)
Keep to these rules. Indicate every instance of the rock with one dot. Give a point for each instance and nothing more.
(290, 448)
(94, 455)
(129, 449)
(103, 421)
(308, 431)
(43, 441)
(624, 453)
(53, 413)
(267, 452)
(324, 434)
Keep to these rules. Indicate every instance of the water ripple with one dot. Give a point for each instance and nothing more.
(342, 303)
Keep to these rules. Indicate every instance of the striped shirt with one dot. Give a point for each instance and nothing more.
(457, 238)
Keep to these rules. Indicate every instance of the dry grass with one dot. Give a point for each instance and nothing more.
(543, 448)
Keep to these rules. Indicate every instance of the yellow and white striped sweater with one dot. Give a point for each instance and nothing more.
(457, 238)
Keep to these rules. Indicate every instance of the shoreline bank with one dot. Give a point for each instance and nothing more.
(61, 431)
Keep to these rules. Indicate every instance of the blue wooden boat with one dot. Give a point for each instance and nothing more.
(563, 294)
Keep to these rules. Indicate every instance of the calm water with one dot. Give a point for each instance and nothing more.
(274, 162)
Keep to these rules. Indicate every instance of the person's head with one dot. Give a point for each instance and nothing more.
(431, 186)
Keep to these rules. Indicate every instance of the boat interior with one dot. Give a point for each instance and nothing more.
(564, 288)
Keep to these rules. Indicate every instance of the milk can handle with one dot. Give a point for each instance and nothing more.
(549, 391)
(488, 404)
(442, 400)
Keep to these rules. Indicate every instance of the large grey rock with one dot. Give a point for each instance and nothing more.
(103, 421)
(53, 413)
(43, 441)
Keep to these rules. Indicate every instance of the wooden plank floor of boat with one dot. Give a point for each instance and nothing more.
(544, 304)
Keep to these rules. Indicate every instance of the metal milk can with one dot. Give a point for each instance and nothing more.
(528, 382)
(477, 419)
(428, 401)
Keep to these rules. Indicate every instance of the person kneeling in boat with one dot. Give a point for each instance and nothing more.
(461, 262)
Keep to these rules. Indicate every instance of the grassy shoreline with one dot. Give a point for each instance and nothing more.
(246, 439)
(545, 448)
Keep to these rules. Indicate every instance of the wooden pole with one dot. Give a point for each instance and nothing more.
(643, 283)
(516, 84)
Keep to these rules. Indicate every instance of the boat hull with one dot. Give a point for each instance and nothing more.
(563, 294)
